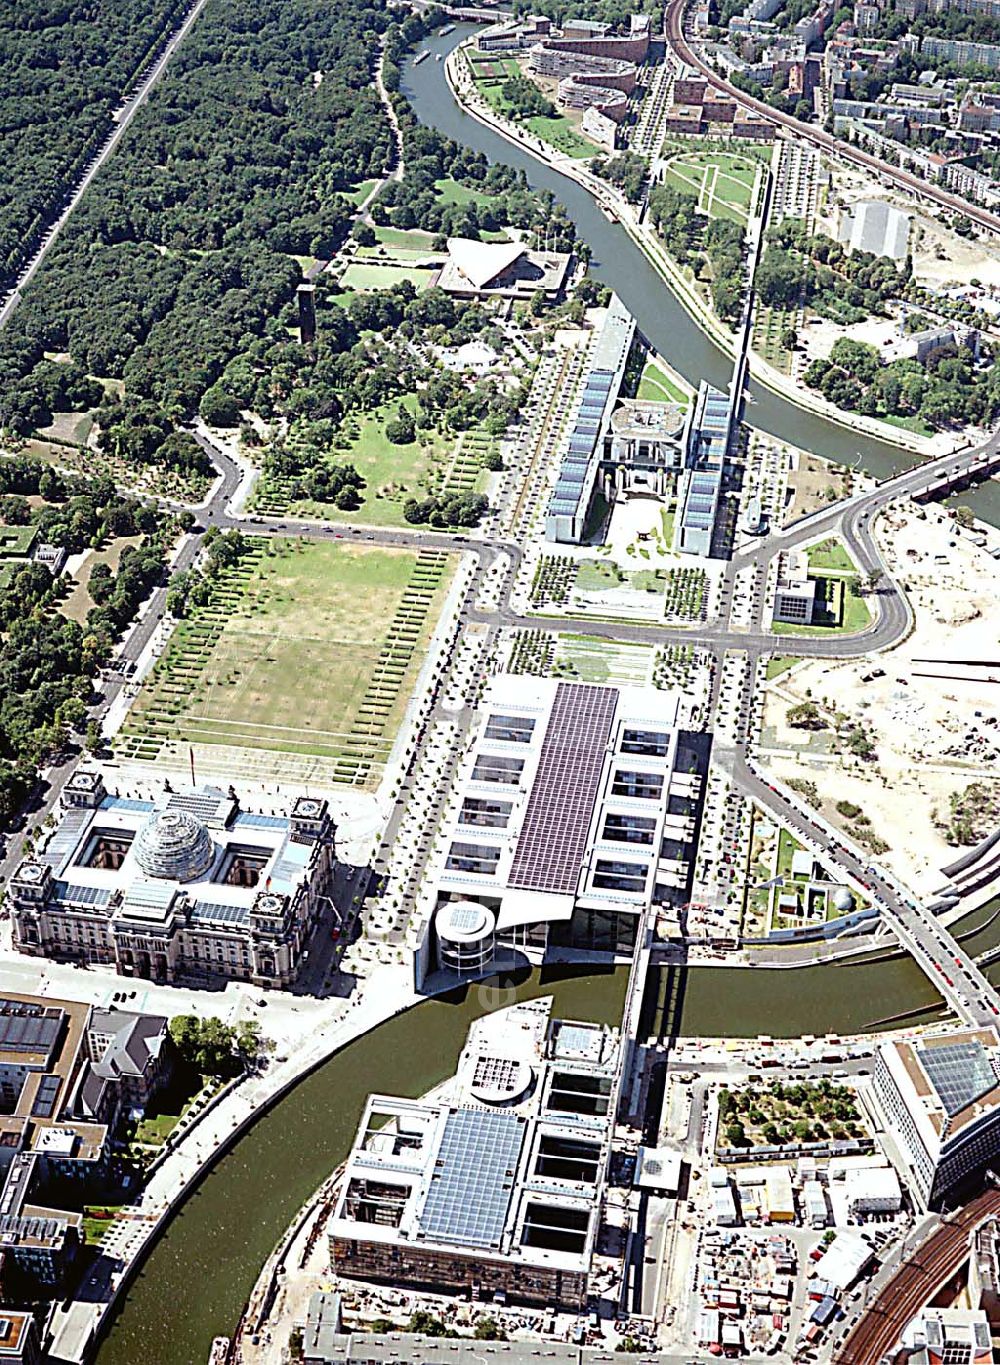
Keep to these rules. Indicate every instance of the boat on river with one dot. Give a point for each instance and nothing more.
(421, 57)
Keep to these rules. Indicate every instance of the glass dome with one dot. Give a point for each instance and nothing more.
(173, 845)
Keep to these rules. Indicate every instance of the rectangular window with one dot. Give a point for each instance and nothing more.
(480, 858)
(619, 876)
(654, 743)
(635, 784)
(510, 729)
(480, 810)
(498, 768)
(629, 829)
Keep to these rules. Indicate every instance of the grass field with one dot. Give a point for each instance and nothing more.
(413, 239)
(832, 555)
(656, 385)
(590, 659)
(305, 649)
(365, 275)
(451, 192)
(360, 192)
(393, 473)
(722, 182)
(557, 130)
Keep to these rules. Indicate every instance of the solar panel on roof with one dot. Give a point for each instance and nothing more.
(65, 839)
(470, 1189)
(80, 895)
(557, 817)
(45, 1097)
(250, 820)
(219, 913)
(959, 1072)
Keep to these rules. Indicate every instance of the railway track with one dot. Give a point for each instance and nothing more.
(882, 1324)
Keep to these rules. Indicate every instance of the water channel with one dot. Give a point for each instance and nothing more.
(199, 1275)
(662, 319)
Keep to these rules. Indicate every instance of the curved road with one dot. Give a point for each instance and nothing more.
(807, 132)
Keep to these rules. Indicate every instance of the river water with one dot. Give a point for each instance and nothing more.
(662, 319)
(199, 1275)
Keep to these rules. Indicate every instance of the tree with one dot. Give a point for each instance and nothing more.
(93, 740)
(736, 1134)
(401, 430)
(219, 408)
(488, 1329)
(493, 461)
(965, 517)
(806, 716)
(789, 339)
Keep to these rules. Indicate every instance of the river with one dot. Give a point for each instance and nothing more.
(199, 1275)
(662, 319)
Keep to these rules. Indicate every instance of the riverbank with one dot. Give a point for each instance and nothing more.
(615, 206)
(388, 992)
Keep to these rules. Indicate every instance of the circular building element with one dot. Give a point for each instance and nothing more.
(465, 931)
(174, 846)
(843, 900)
(499, 1080)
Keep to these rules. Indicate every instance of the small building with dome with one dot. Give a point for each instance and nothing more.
(190, 887)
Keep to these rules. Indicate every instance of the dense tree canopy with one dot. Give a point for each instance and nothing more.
(183, 251)
(64, 66)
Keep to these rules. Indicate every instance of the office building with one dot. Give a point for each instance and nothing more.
(574, 810)
(949, 1336)
(498, 1188)
(188, 887)
(701, 490)
(795, 594)
(940, 1099)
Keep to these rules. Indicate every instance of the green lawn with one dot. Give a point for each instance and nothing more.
(590, 659)
(722, 182)
(95, 1226)
(392, 473)
(780, 664)
(452, 192)
(413, 239)
(360, 192)
(555, 129)
(305, 649)
(558, 132)
(365, 275)
(831, 555)
(656, 385)
(594, 576)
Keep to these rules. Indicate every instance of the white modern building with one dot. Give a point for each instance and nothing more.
(498, 1186)
(940, 1100)
(874, 226)
(574, 810)
(795, 594)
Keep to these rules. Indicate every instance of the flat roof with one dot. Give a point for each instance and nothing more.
(472, 1184)
(553, 838)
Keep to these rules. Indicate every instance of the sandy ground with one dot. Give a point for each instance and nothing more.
(933, 734)
(940, 256)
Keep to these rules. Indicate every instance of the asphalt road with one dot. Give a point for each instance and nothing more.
(128, 113)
